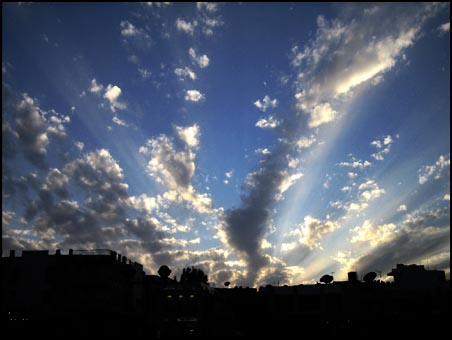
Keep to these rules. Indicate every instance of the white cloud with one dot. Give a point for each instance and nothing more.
(194, 96)
(305, 142)
(356, 164)
(383, 146)
(373, 235)
(267, 123)
(79, 145)
(128, 29)
(208, 6)
(182, 73)
(175, 167)
(446, 197)
(321, 114)
(266, 103)
(119, 121)
(436, 170)
(352, 175)
(186, 26)
(402, 207)
(112, 94)
(444, 28)
(202, 60)
(95, 87)
(189, 135)
(229, 174)
(312, 230)
(370, 191)
(345, 56)
(144, 73)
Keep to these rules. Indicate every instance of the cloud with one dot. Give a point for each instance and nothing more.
(174, 167)
(144, 73)
(207, 6)
(202, 60)
(437, 170)
(119, 121)
(402, 207)
(356, 164)
(344, 56)
(266, 103)
(95, 87)
(194, 96)
(420, 236)
(112, 94)
(383, 146)
(189, 135)
(185, 26)
(444, 28)
(312, 230)
(183, 73)
(31, 130)
(137, 36)
(267, 123)
(321, 114)
(373, 235)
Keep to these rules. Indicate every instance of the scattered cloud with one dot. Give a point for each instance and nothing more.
(267, 123)
(444, 28)
(112, 94)
(266, 103)
(437, 170)
(185, 72)
(383, 147)
(185, 26)
(194, 96)
(201, 60)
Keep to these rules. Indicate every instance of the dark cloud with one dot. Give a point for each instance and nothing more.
(406, 248)
(31, 130)
(424, 233)
(246, 225)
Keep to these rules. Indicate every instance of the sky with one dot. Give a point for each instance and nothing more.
(265, 143)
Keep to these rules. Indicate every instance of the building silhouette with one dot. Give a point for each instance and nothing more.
(110, 295)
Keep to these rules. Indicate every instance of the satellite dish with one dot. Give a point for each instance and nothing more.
(227, 283)
(369, 277)
(326, 278)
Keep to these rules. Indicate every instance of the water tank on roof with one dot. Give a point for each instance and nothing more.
(326, 278)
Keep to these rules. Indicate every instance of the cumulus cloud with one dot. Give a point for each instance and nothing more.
(356, 164)
(194, 96)
(95, 87)
(137, 36)
(420, 236)
(266, 103)
(201, 60)
(373, 235)
(112, 94)
(312, 230)
(174, 167)
(185, 26)
(267, 123)
(185, 72)
(383, 147)
(207, 6)
(444, 28)
(435, 171)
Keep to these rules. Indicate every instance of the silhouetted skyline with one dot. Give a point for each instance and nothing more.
(258, 142)
(111, 295)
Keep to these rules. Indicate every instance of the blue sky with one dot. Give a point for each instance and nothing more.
(262, 142)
